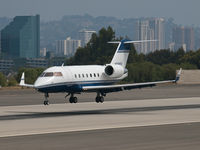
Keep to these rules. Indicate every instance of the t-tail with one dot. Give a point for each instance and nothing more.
(122, 52)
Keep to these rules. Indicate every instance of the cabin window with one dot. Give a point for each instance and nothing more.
(87, 75)
(75, 76)
(98, 74)
(94, 75)
(48, 74)
(79, 75)
(83, 75)
(57, 74)
(90, 75)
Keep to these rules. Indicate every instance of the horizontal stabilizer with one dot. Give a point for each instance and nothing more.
(114, 42)
(22, 82)
(128, 42)
(142, 41)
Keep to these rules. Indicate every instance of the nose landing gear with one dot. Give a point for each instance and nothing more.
(46, 101)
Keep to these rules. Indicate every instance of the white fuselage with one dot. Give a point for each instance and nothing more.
(72, 78)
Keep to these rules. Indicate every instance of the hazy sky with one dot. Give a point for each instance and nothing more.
(185, 12)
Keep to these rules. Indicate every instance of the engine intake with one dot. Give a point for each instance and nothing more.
(114, 71)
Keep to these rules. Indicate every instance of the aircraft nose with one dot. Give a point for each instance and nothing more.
(42, 81)
(37, 83)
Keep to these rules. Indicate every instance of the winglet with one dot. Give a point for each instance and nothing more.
(178, 75)
(22, 82)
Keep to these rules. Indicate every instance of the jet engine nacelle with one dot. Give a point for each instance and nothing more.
(114, 71)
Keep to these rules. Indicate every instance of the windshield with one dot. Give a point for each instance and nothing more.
(57, 74)
(48, 74)
(51, 74)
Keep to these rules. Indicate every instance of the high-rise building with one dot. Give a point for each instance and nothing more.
(85, 36)
(0, 42)
(60, 47)
(21, 38)
(157, 25)
(189, 38)
(67, 47)
(71, 46)
(150, 29)
(152, 44)
(43, 52)
(142, 34)
(183, 37)
(178, 37)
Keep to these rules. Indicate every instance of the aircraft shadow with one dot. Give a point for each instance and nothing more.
(31, 115)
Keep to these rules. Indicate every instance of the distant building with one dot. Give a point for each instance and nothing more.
(0, 42)
(85, 36)
(37, 62)
(142, 34)
(67, 47)
(178, 37)
(150, 29)
(6, 65)
(151, 36)
(43, 52)
(21, 38)
(183, 37)
(172, 46)
(72, 46)
(157, 25)
(189, 38)
(60, 47)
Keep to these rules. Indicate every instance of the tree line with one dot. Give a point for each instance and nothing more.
(158, 65)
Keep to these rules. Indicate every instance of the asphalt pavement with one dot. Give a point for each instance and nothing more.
(163, 117)
(166, 137)
(12, 97)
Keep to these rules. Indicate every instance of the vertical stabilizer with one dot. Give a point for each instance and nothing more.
(121, 54)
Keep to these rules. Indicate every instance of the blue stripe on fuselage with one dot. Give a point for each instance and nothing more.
(70, 87)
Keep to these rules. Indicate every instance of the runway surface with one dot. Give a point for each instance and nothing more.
(147, 124)
(141, 119)
(167, 137)
(32, 97)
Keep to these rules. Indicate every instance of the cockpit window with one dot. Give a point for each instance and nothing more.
(58, 74)
(48, 74)
(42, 75)
(51, 74)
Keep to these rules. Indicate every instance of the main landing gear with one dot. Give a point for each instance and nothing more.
(100, 97)
(72, 99)
(46, 101)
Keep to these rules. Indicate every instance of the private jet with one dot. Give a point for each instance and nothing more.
(100, 79)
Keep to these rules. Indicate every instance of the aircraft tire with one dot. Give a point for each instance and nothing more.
(75, 99)
(97, 99)
(71, 99)
(101, 99)
(46, 103)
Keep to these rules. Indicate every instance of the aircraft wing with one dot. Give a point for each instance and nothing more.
(121, 87)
